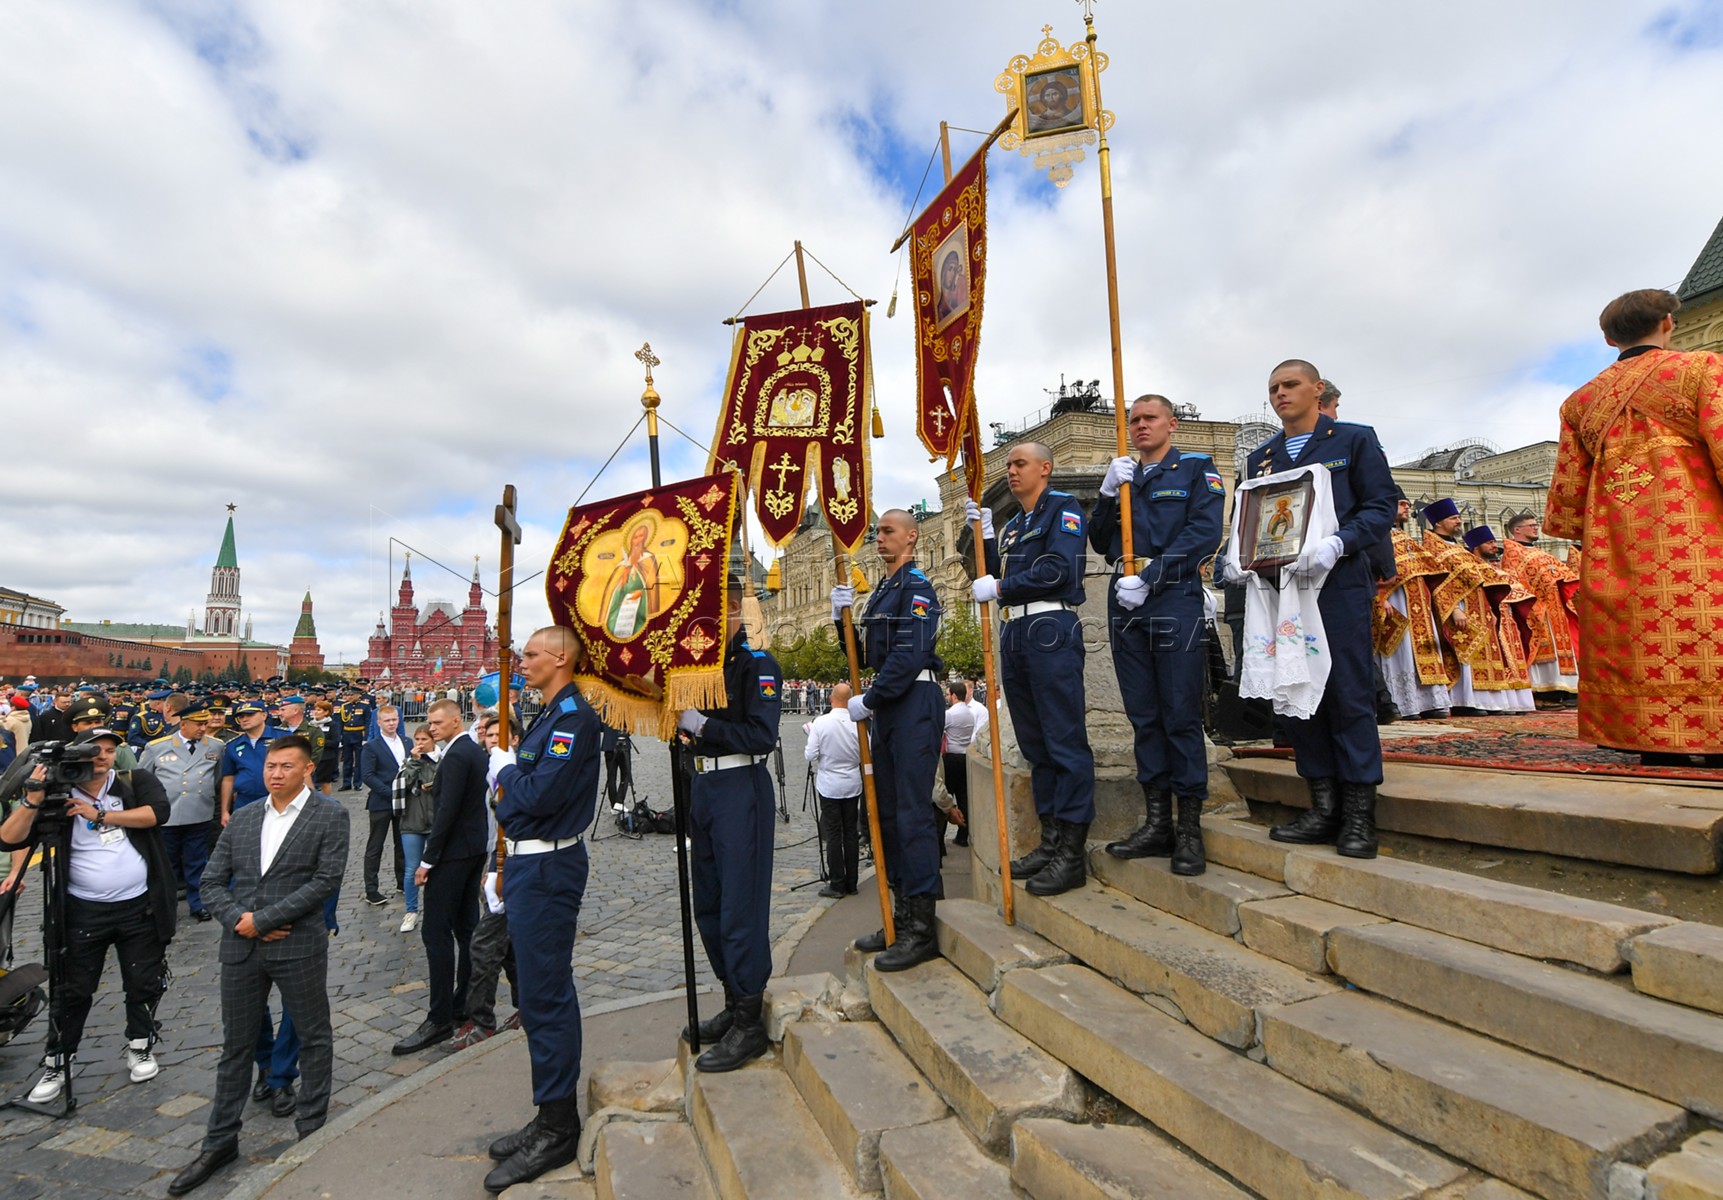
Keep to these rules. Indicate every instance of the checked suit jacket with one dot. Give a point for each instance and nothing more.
(307, 870)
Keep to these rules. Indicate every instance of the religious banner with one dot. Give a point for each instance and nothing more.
(948, 258)
(642, 580)
(795, 417)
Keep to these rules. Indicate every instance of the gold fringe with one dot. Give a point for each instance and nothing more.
(651, 716)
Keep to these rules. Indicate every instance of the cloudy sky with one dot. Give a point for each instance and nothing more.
(353, 265)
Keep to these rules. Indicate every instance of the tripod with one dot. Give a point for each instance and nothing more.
(783, 796)
(808, 789)
(619, 779)
(52, 836)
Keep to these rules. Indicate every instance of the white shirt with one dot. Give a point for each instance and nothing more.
(104, 865)
(834, 746)
(959, 727)
(980, 711)
(276, 825)
(396, 748)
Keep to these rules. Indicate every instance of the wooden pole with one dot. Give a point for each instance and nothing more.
(1128, 559)
(998, 132)
(510, 528)
(842, 562)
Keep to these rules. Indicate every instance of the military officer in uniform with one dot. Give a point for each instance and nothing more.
(731, 821)
(905, 709)
(1035, 571)
(187, 763)
(547, 791)
(1338, 751)
(149, 724)
(124, 709)
(354, 717)
(1155, 619)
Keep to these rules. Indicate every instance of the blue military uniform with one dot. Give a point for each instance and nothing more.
(1340, 741)
(1038, 560)
(731, 819)
(148, 725)
(546, 798)
(1177, 507)
(896, 639)
(354, 717)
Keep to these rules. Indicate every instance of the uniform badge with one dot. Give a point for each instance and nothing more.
(1214, 483)
(561, 745)
(918, 605)
(769, 687)
(1071, 522)
(1336, 465)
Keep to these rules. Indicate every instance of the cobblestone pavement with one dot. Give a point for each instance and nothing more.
(129, 1140)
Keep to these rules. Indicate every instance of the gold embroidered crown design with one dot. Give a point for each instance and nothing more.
(801, 354)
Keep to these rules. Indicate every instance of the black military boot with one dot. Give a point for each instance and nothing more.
(1068, 867)
(507, 1146)
(745, 1041)
(1155, 838)
(552, 1141)
(1188, 857)
(717, 1026)
(874, 942)
(1318, 826)
(1030, 863)
(917, 938)
(1357, 820)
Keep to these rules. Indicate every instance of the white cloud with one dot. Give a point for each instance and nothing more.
(353, 266)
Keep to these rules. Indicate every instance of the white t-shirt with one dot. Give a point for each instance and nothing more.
(106, 867)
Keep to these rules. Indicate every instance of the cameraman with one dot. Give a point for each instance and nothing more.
(120, 894)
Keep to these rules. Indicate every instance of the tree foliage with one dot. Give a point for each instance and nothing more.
(960, 642)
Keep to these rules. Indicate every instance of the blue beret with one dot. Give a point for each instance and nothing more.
(296, 698)
(158, 694)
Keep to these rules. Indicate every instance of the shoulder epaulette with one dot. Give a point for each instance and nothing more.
(758, 653)
(568, 705)
(158, 741)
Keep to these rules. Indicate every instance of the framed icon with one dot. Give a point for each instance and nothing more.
(1053, 101)
(1274, 523)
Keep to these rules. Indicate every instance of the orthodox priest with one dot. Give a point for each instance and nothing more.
(1417, 665)
(1637, 479)
(1552, 623)
(1470, 603)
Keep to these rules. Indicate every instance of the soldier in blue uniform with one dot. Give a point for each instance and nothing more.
(1155, 619)
(354, 717)
(905, 709)
(731, 819)
(149, 724)
(547, 791)
(1039, 585)
(1338, 751)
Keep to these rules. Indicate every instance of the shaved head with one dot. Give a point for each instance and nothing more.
(1305, 369)
(557, 639)
(1038, 450)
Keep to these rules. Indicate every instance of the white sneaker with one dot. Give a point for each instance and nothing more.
(142, 1063)
(53, 1080)
(409, 922)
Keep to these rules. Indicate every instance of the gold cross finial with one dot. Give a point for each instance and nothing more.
(645, 355)
(1046, 31)
(1088, 11)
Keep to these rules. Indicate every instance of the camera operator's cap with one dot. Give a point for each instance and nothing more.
(90, 735)
(88, 708)
(246, 708)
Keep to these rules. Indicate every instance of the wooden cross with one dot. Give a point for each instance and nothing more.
(649, 359)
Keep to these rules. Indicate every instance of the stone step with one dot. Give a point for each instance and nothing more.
(991, 1075)
(650, 1161)
(1683, 963)
(1295, 929)
(564, 1183)
(1215, 983)
(759, 1139)
(1696, 1173)
(1245, 846)
(975, 939)
(857, 1084)
(1058, 1160)
(939, 1162)
(1524, 1119)
(1269, 1133)
(1630, 822)
(1210, 900)
(1598, 1025)
(1508, 916)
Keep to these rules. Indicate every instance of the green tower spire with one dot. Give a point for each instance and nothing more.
(306, 627)
(229, 557)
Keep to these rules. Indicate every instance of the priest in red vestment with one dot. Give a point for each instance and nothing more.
(1639, 479)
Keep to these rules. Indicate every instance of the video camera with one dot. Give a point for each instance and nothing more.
(66, 763)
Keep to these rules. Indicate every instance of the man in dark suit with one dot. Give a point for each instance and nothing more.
(379, 763)
(272, 869)
(450, 872)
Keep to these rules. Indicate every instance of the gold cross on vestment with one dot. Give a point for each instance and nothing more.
(783, 467)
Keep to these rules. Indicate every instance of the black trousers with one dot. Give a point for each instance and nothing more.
(385, 828)
(350, 756)
(839, 833)
(130, 928)
(448, 914)
(957, 783)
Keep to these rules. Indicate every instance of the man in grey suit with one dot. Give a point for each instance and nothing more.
(267, 879)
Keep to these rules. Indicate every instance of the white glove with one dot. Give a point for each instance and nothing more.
(859, 711)
(1323, 556)
(1132, 590)
(1120, 471)
(843, 597)
(493, 901)
(500, 758)
(985, 589)
(691, 721)
(973, 512)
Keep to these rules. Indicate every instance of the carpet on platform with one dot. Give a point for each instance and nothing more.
(1505, 747)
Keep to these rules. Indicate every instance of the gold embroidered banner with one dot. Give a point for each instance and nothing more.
(948, 256)
(796, 415)
(642, 580)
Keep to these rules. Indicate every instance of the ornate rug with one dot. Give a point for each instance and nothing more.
(1501, 750)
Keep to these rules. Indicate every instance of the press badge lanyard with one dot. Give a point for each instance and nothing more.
(108, 833)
